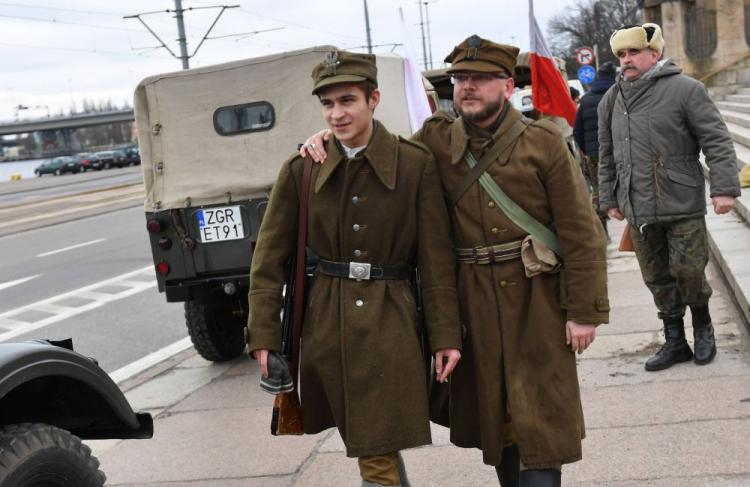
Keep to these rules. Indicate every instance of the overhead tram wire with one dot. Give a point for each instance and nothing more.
(81, 24)
(184, 57)
(65, 22)
(95, 12)
(74, 49)
(306, 27)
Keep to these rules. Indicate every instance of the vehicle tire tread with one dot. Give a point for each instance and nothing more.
(26, 444)
(204, 326)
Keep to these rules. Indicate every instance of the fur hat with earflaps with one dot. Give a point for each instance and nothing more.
(637, 37)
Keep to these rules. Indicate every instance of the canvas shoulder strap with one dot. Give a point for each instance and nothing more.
(491, 156)
(517, 215)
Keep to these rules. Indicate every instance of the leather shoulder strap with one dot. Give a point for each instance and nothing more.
(299, 270)
(491, 156)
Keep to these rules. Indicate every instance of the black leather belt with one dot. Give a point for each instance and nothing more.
(363, 271)
(487, 255)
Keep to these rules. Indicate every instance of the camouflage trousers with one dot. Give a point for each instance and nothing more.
(673, 258)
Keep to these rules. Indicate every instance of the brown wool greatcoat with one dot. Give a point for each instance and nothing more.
(514, 352)
(361, 366)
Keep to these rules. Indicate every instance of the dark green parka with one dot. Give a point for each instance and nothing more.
(648, 153)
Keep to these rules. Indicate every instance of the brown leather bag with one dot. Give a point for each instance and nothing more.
(286, 418)
(626, 241)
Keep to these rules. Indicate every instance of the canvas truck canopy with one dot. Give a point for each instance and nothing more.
(264, 108)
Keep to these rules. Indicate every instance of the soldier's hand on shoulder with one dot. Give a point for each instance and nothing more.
(315, 146)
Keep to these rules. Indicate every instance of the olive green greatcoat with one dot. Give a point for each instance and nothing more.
(361, 366)
(515, 353)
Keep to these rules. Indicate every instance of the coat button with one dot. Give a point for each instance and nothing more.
(495, 230)
(355, 227)
(355, 199)
(491, 204)
(357, 253)
(503, 283)
(359, 303)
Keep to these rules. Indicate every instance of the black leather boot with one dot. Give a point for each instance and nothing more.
(541, 478)
(703, 333)
(675, 348)
(508, 470)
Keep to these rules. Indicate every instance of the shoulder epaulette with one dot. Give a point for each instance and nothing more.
(441, 116)
(294, 157)
(415, 144)
(547, 125)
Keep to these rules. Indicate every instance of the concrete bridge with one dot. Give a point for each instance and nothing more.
(70, 122)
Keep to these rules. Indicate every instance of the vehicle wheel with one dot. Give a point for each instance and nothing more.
(216, 327)
(40, 455)
(57, 172)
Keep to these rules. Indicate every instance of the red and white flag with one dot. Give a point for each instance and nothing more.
(549, 91)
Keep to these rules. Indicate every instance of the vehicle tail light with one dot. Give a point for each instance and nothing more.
(165, 243)
(154, 226)
(162, 268)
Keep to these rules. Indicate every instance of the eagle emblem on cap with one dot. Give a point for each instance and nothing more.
(331, 61)
(474, 42)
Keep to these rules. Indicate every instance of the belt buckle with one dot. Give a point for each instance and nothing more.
(359, 270)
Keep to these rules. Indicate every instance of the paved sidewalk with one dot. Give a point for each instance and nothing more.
(687, 426)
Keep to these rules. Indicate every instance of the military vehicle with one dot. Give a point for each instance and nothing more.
(50, 398)
(212, 141)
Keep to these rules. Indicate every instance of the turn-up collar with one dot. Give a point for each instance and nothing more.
(460, 138)
(381, 153)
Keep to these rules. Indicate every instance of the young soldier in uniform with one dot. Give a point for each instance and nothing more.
(516, 389)
(376, 201)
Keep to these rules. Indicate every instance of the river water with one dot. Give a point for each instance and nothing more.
(24, 168)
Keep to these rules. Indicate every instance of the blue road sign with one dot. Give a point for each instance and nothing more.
(586, 74)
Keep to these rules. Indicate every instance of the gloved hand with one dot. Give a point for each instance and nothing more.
(279, 379)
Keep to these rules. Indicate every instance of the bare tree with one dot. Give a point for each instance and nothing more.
(589, 23)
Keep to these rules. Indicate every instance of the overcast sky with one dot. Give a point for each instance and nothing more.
(55, 53)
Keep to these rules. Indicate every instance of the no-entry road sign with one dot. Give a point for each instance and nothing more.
(584, 55)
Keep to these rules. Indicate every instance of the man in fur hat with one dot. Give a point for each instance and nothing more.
(652, 125)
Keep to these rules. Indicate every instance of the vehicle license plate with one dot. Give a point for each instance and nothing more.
(220, 224)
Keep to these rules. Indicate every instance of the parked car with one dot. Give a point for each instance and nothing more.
(111, 158)
(57, 166)
(50, 398)
(88, 161)
(132, 155)
(70, 165)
